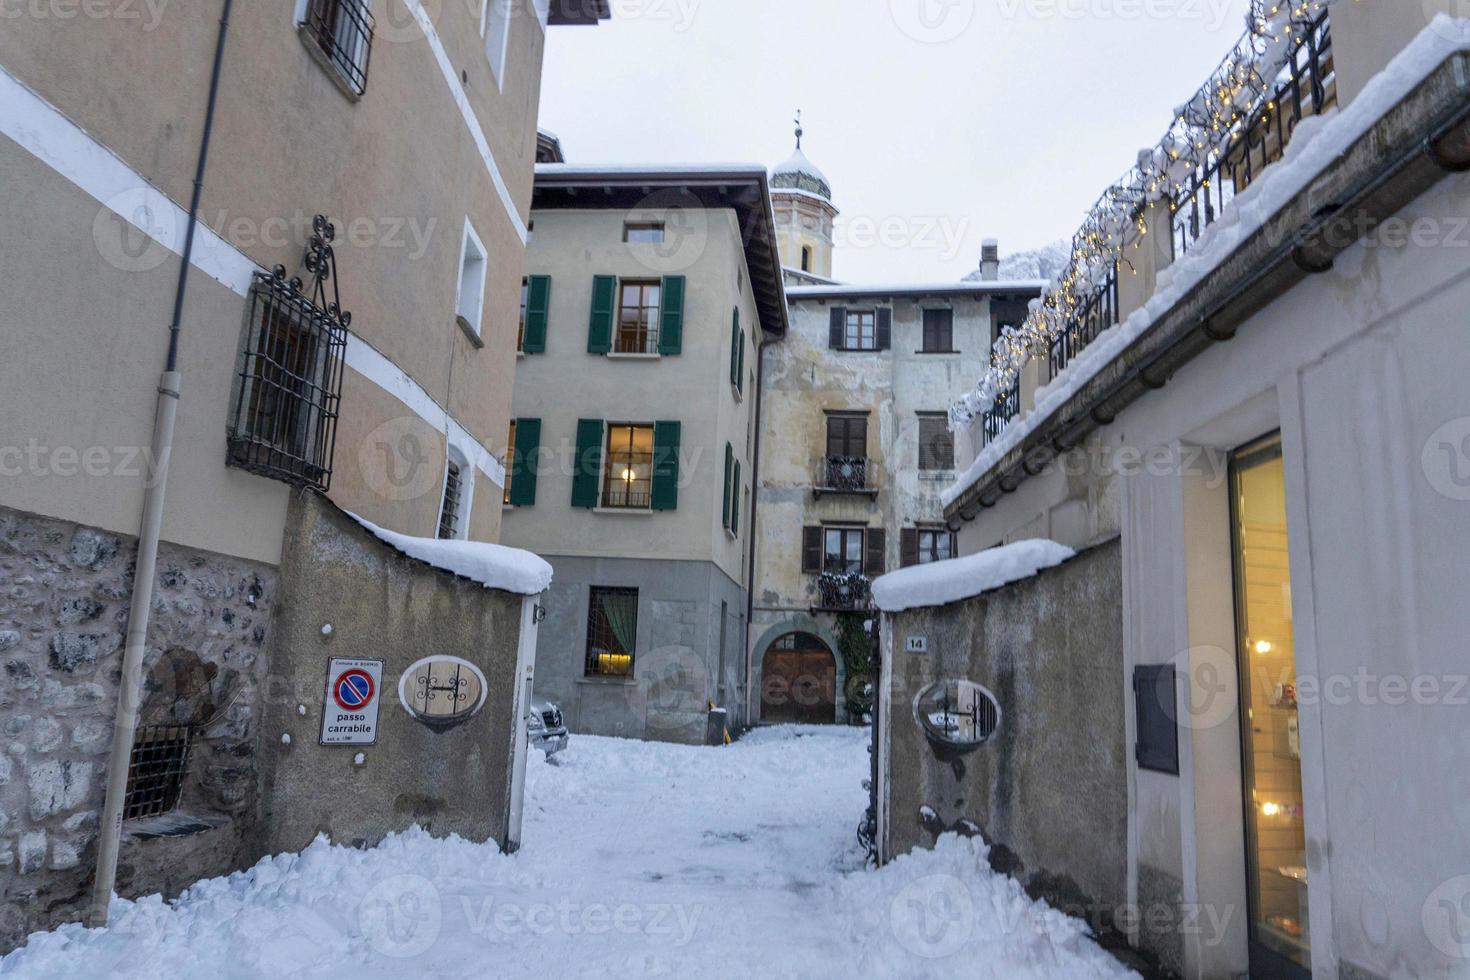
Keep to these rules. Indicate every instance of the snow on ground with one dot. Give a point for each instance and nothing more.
(638, 859)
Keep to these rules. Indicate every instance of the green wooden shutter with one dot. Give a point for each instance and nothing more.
(587, 467)
(735, 501)
(599, 330)
(740, 370)
(538, 306)
(523, 463)
(735, 349)
(665, 465)
(729, 468)
(671, 316)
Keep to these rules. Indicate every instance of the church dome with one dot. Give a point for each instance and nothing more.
(799, 173)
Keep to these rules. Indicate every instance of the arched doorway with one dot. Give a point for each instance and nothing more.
(799, 680)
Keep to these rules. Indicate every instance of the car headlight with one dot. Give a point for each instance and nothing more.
(534, 722)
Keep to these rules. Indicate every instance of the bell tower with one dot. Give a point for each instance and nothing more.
(802, 200)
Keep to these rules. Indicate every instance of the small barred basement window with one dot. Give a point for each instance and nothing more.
(343, 29)
(453, 492)
(156, 770)
(289, 383)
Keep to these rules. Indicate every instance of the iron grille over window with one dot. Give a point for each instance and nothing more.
(612, 632)
(343, 29)
(289, 384)
(449, 513)
(156, 770)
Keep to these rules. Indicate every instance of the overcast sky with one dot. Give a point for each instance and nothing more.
(938, 122)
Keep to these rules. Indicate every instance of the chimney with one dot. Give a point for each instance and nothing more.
(990, 260)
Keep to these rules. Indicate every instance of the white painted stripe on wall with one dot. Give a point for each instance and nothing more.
(43, 131)
(472, 123)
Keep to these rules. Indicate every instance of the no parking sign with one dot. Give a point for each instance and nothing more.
(350, 705)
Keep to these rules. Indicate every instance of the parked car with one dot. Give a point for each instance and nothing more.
(544, 727)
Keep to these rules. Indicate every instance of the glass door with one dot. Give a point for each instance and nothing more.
(1275, 833)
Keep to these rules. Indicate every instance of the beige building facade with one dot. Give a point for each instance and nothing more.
(649, 293)
(410, 129)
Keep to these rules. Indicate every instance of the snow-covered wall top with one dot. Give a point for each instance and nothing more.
(942, 582)
(492, 565)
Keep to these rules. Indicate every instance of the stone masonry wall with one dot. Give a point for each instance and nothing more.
(64, 596)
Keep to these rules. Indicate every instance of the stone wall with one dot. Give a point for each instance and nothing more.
(1050, 791)
(64, 596)
(385, 606)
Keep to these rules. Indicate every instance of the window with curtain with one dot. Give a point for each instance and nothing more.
(935, 544)
(612, 632)
(862, 330)
(843, 554)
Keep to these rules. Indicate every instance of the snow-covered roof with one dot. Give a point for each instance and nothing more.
(942, 582)
(849, 290)
(639, 169)
(800, 173)
(492, 565)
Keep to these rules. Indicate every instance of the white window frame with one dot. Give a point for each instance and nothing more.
(496, 17)
(460, 458)
(471, 308)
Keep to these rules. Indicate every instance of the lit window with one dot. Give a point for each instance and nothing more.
(628, 472)
(612, 632)
(510, 455)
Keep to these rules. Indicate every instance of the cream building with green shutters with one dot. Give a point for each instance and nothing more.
(648, 294)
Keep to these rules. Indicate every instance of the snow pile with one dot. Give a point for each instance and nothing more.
(1316, 143)
(492, 565)
(942, 582)
(638, 859)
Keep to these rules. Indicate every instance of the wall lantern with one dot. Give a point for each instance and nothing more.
(442, 692)
(957, 716)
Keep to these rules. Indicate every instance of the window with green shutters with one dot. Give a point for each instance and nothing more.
(524, 455)
(671, 316)
(587, 466)
(600, 327)
(666, 465)
(534, 314)
(729, 470)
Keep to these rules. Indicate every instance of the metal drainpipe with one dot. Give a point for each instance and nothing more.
(148, 534)
(755, 473)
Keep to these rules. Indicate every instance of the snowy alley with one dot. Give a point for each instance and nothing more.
(639, 859)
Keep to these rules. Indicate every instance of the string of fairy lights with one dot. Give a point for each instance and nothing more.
(1205, 129)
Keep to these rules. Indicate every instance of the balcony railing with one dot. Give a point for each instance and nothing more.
(842, 591)
(1306, 85)
(844, 474)
(1006, 407)
(1096, 314)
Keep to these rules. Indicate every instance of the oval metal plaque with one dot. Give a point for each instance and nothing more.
(442, 691)
(957, 715)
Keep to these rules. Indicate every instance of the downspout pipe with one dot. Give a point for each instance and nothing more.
(755, 476)
(150, 529)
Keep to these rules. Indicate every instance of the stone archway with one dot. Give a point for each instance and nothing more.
(766, 647)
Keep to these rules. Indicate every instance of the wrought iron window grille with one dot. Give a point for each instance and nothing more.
(343, 30)
(289, 384)
(449, 512)
(612, 631)
(156, 770)
(844, 473)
